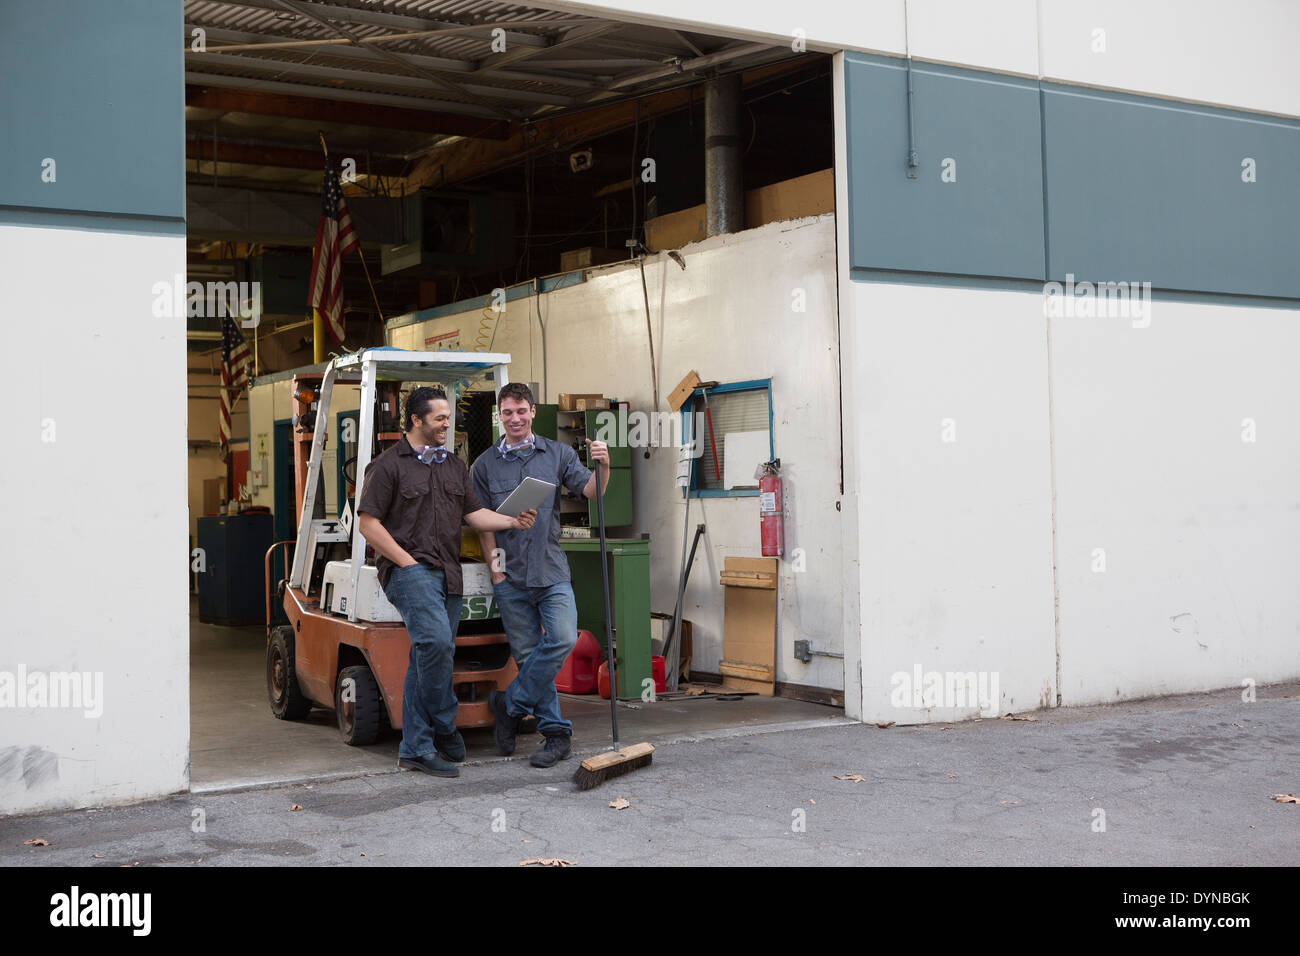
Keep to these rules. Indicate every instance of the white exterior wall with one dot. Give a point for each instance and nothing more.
(103, 507)
(729, 317)
(950, 424)
(1238, 54)
(1193, 585)
(1198, 526)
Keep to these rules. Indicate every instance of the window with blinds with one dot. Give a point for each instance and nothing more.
(744, 414)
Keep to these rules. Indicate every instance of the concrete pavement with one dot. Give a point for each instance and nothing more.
(1177, 781)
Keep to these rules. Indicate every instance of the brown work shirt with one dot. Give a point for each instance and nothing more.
(421, 506)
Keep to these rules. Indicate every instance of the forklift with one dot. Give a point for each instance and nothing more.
(345, 647)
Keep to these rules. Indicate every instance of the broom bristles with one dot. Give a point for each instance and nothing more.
(613, 764)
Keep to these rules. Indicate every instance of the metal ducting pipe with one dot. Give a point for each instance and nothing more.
(724, 197)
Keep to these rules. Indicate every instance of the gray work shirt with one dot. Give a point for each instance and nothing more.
(533, 558)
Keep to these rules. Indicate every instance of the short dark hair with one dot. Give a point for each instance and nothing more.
(516, 390)
(419, 402)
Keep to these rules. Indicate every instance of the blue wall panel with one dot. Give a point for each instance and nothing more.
(1152, 191)
(99, 87)
(989, 222)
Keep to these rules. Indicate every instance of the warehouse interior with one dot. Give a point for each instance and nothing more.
(494, 152)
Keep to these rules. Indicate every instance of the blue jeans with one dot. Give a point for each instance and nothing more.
(431, 616)
(539, 655)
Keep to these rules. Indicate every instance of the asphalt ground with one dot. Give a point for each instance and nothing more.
(1179, 781)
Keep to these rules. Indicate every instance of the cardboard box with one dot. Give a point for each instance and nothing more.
(589, 256)
(809, 195)
(749, 625)
(568, 402)
(592, 404)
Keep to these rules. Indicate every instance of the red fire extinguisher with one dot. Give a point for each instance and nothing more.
(771, 510)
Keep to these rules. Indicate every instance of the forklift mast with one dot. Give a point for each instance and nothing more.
(380, 372)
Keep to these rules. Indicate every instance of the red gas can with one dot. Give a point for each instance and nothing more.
(656, 671)
(578, 675)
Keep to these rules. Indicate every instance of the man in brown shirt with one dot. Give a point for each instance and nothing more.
(413, 499)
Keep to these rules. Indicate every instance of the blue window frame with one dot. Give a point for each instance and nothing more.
(735, 406)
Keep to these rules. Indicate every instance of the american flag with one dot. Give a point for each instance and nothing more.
(235, 360)
(335, 238)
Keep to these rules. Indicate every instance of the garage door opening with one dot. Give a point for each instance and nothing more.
(483, 152)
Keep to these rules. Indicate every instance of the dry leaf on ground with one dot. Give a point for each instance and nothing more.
(547, 862)
(37, 842)
(855, 777)
(1016, 717)
(1286, 798)
(883, 726)
(296, 806)
(622, 803)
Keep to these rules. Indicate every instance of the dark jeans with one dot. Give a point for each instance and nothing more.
(431, 616)
(539, 654)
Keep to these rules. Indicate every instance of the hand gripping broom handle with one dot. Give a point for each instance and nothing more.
(609, 619)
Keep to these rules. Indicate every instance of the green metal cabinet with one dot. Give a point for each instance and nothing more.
(629, 580)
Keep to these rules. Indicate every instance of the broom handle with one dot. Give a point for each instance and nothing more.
(609, 619)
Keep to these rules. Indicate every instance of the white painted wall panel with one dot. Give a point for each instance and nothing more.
(1198, 527)
(954, 536)
(728, 316)
(1240, 54)
(104, 508)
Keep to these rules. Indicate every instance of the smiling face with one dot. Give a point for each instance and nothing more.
(516, 418)
(432, 428)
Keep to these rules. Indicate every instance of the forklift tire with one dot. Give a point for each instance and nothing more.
(358, 718)
(287, 699)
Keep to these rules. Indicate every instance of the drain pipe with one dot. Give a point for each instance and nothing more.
(724, 198)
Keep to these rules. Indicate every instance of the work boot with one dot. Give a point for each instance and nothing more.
(451, 746)
(430, 764)
(505, 727)
(556, 748)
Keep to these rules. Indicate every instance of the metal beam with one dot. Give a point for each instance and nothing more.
(689, 44)
(261, 154)
(388, 55)
(435, 63)
(492, 95)
(268, 98)
(577, 35)
(620, 86)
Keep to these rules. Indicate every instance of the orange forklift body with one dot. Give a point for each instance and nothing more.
(325, 644)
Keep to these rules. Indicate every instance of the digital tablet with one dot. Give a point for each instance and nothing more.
(530, 494)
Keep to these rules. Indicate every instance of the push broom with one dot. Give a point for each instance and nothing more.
(612, 763)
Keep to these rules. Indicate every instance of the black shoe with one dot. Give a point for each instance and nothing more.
(556, 748)
(431, 764)
(450, 746)
(505, 727)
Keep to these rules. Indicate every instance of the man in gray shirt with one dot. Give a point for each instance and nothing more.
(531, 582)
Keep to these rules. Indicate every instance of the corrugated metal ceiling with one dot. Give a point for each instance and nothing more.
(552, 61)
